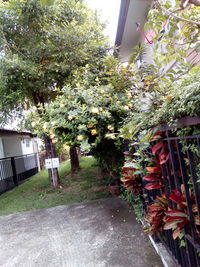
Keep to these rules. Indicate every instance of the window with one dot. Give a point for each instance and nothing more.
(27, 142)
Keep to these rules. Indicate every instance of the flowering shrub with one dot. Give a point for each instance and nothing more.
(90, 117)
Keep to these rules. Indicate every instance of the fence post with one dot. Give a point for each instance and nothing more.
(14, 171)
(38, 161)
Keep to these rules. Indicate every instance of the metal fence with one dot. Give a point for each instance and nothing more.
(14, 170)
(181, 169)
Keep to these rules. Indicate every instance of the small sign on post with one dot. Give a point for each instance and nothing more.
(52, 164)
(55, 162)
(48, 163)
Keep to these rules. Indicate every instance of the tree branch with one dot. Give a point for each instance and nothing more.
(184, 4)
(177, 17)
(195, 2)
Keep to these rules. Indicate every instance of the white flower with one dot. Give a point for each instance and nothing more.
(52, 136)
(80, 137)
(51, 131)
(70, 117)
(45, 125)
(66, 147)
(95, 110)
(110, 127)
(53, 123)
(130, 105)
(33, 124)
(126, 108)
(113, 137)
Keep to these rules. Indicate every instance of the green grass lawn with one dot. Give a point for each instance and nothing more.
(36, 193)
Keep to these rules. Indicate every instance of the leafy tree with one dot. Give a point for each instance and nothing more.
(41, 44)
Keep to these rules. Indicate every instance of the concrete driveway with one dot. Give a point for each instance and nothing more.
(101, 233)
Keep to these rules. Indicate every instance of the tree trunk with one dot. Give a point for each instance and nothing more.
(38, 99)
(74, 159)
(51, 153)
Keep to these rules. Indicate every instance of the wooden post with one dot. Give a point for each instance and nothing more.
(14, 171)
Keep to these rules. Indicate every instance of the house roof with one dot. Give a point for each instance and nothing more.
(131, 12)
(8, 132)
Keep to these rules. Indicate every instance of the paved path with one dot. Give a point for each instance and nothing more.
(101, 233)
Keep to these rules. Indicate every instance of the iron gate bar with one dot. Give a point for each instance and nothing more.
(192, 241)
(168, 246)
(171, 181)
(182, 137)
(175, 172)
(194, 178)
(187, 192)
(192, 254)
(185, 254)
(187, 251)
(198, 143)
(166, 183)
(186, 121)
(190, 248)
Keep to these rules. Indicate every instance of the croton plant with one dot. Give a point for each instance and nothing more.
(138, 176)
(161, 216)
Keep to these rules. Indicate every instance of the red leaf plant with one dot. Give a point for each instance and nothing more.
(177, 219)
(179, 197)
(130, 181)
(161, 151)
(156, 136)
(154, 215)
(154, 177)
(160, 216)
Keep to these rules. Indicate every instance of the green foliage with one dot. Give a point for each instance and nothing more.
(168, 89)
(42, 43)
